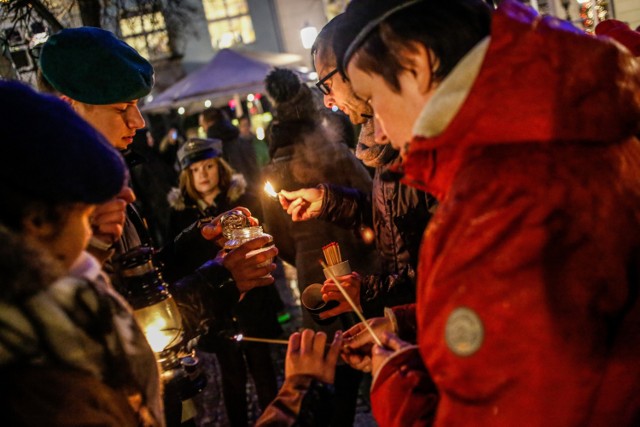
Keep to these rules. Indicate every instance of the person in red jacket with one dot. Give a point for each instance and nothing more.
(528, 308)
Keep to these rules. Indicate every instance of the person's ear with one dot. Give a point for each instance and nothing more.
(419, 61)
(37, 226)
(72, 103)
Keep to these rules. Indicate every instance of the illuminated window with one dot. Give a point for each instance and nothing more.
(229, 22)
(146, 33)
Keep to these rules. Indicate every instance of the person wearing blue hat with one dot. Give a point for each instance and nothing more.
(102, 78)
(70, 349)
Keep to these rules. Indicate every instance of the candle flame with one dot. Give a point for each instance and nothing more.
(268, 188)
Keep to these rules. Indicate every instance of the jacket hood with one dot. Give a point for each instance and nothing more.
(585, 89)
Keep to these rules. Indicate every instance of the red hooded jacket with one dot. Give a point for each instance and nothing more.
(528, 310)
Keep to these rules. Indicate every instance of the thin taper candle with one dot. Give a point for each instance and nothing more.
(241, 338)
(351, 303)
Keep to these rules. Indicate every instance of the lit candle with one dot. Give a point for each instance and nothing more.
(241, 337)
(268, 188)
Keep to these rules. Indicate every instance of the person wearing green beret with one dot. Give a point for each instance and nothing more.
(102, 78)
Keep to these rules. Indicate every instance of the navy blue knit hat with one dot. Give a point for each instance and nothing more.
(197, 149)
(50, 154)
(93, 66)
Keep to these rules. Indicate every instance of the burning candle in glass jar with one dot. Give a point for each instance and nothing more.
(268, 188)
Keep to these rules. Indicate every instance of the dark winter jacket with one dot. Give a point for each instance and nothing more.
(307, 153)
(256, 314)
(398, 214)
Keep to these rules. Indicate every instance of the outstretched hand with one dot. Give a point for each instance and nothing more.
(213, 230)
(303, 204)
(306, 355)
(358, 342)
(391, 344)
(107, 220)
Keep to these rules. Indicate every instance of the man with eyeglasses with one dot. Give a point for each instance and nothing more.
(332, 82)
(397, 213)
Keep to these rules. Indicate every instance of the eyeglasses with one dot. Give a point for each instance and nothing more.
(326, 90)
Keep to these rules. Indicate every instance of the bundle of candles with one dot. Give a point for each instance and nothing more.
(333, 257)
(332, 253)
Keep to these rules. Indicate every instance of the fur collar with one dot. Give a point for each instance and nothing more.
(179, 200)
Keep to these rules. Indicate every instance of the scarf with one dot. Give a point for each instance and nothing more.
(370, 153)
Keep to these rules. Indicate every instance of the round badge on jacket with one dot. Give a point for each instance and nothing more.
(464, 332)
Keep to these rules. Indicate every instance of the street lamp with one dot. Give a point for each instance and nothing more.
(308, 34)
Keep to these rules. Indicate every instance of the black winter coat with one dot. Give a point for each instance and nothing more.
(399, 215)
(256, 314)
(306, 153)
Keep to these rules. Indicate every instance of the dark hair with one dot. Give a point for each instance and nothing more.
(450, 29)
(325, 40)
(214, 115)
(225, 174)
(334, 39)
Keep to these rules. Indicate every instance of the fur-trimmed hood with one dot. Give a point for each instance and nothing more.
(179, 200)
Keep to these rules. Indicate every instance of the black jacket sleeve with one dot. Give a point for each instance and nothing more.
(346, 207)
(205, 299)
(378, 291)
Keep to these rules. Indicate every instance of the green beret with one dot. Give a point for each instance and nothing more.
(93, 66)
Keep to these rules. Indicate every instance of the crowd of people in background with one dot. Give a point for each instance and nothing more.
(489, 209)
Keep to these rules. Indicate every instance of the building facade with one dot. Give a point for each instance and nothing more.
(179, 36)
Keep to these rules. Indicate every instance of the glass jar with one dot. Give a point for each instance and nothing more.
(240, 236)
(233, 220)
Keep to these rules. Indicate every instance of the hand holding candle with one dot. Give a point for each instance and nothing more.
(351, 303)
(350, 282)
